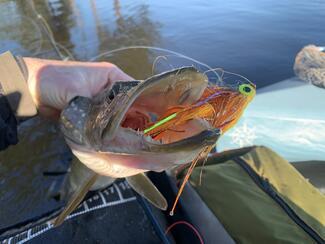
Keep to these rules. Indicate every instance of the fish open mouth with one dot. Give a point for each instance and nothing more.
(150, 100)
(172, 112)
(131, 119)
(151, 106)
(122, 128)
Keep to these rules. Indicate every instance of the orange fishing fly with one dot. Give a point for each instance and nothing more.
(221, 107)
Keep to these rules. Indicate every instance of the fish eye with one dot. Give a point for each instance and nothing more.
(246, 89)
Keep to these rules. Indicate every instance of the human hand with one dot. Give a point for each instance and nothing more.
(53, 83)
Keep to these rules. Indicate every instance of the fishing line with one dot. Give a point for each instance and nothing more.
(222, 80)
(57, 46)
(60, 46)
(165, 57)
(156, 61)
(40, 39)
(49, 32)
(232, 73)
(197, 233)
(108, 53)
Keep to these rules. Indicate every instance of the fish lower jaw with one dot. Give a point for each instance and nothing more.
(128, 141)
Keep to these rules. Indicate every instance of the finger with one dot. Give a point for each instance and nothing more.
(100, 76)
(49, 112)
(116, 74)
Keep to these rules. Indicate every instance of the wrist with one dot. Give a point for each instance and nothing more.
(15, 88)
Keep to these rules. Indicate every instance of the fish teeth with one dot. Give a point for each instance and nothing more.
(149, 139)
(139, 132)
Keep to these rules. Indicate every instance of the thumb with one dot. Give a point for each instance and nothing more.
(116, 74)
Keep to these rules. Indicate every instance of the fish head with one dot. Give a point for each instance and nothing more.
(106, 132)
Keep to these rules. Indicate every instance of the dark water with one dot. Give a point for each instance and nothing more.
(256, 38)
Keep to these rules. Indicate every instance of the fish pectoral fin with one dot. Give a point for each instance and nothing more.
(143, 185)
(75, 199)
